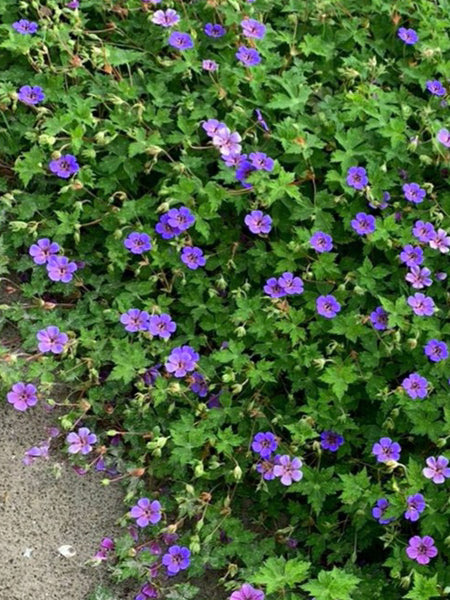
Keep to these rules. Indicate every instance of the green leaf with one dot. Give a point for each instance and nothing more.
(332, 585)
(424, 587)
(278, 573)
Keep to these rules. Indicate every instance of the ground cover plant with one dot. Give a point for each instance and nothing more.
(229, 224)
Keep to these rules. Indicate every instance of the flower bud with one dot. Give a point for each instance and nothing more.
(199, 469)
(237, 473)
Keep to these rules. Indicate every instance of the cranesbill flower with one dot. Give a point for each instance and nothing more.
(436, 350)
(330, 440)
(419, 277)
(264, 444)
(135, 320)
(36, 452)
(181, 41)
(137, 243)
(148, 590)
(421, 549)
(443, 136)
(214, 30)
(249, 57)
(161, 326)
(81, 442)
(182, 360)
(51, 340)
(291, 285)
(415, 386)
(193, 257)
(150, 376)
(258, 222)
(176, 559)
(386, 450)
(25, 27)
(64, 166)
(440, 276)
(266, 467)
(409, 36)
(437, 469)
(165, 18)
(165, 230)
(436, 88)
(42, 250)
(327, 306)
(363, 223)
(416, 505)
(379, 318)
(274, 289)
(288, 470)
(379, 509)
(212, 127)
(381, 204)
(422, 305)
(357, 178)
(423, 231)
(59, 268)
(321, 242)
(146, 511)
(414, 193)
(261, 161)
(253, 29)
(440, 241)
(209, 65)
(198, 385)
(233, 160)
(247, 592)
(31, 95)
(227, 141)
(260, 119)
(73, 4)
(180, 218)
(22, 396)
(243, 171)
(411, 256)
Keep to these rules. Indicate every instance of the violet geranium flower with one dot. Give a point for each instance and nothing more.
(261, 161)
(180, 41)
(419, 277)
(437, 469)
(422, 305)
(416, 505)
(161, 326)
(408, 36)
(165, 18)
(415, 386)
(258, 222)
(443, 136)
(31, 95)
(436, 350)
(330, 440)
(176, 559)
(180, 218)
(135, 320)
(214, 30)
(51, 340)
(363, 224)
(386, 450)
(378, 511)
(137, 243)
(59, 268)
(64, 166)
(321, 242)
(253, 29)
(327, 306)
(288, 469)
(379, 318)
(165, 230)
(273, 289)
(182, 360)
(209, 65)
(411, 256)
(440, 241)
(146, 511)
(414, 193)
(264, 444)
(81, 442)
(247, 592)
(42, 250)
(249, 57)
(291, 284)
(421, 549)
(357, 178)
(193, 257)
(22, 396)
(25, 27)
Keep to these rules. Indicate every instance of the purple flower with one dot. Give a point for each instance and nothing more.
(214, 401)
(330, 440)
(209, 65)
(266, 467)
(437, 469)
(411, 256)
(165, 18)
(247, 592)
(81, 441)
(261, 120)
(440, 276)
(193, 257)
(383, 203)
(22, 396)
(59, 268)
(146, 511)
(416, 505)
(135, 320)
(73, 4)
(161, 325)
(321, 242)
(258, 222)
(288, 469)
(51, 340)
(31, 95)
(36, 452)
(212, 127)
(421, 305)
(42, 250)
(181, 41)
(274, 289)
(227, 141)
(414, 193)
(151, 375)
(423, 231)
(409, 36)
(386, 450)
(243, 171)
(180, 218)
(249, 57)
(198, 385)
(290, 284)
(421, 549)
(443, 136)
(436, 88)
(176, 559)
(327, 306)
(357, 178)
(164, 229)
(261, 161)
(379, 509)
(182, 360)
(215, 31)
(363, 223)
(379, 318)
(233, 160)
(264, 444)
(25, 27)
(440, 241)
(253, 29)
(137, 243)
(436, 350)
(64, 166)
(148, 590)
(415, 386)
